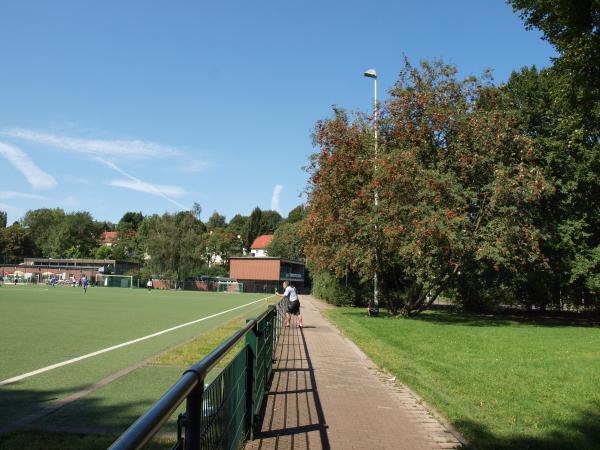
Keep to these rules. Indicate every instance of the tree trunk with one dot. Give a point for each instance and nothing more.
(421, 303)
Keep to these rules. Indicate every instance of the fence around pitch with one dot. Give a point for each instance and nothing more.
(223, 414)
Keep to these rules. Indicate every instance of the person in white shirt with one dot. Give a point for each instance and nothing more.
(294, 303)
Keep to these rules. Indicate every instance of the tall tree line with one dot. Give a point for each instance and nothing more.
(174, 246)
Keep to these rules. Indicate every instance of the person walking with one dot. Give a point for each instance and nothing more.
(289, 292)
(85, 283)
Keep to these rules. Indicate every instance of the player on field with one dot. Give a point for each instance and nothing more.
(86, 284)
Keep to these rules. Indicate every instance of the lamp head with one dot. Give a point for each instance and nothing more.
(371, 73)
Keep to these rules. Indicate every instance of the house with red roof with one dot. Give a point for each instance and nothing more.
(108, 238)
(260, 244)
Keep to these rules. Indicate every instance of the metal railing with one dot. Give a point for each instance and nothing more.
(224, 413)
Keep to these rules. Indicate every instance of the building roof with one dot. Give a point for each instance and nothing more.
(266, 258)
(108, 237)
(262, 242)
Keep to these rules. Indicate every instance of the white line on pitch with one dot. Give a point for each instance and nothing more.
(124, 344)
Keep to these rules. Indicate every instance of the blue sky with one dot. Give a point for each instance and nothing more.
(119, 106)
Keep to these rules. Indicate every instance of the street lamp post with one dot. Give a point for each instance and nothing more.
(371, 73)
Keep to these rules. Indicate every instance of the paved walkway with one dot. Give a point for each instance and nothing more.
(326, 394)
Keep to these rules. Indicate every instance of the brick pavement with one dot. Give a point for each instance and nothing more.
(326, 394)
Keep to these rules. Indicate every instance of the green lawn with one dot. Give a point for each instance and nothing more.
(40, 326)
(504, 382)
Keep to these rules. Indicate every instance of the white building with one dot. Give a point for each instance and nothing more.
(260, 244)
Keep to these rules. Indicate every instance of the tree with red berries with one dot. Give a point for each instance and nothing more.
(456, 182)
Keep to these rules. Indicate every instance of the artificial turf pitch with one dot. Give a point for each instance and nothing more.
(42, 326)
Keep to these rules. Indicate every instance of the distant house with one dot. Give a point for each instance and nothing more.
(108, 238)
(260, 244)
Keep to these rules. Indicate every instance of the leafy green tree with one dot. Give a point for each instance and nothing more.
(43, 225)
(107, 225)
(259, 223)
(586, 269)
(269, 222)
(216, 221)
(16, 243)
(130, 221)
(297, 214)
(559, 108)
(222, 243)
(238, 224)
(287, 242)
(104, 252)
(455, 179)
(3, 219)
(253, 227)
(77, 236)
(197, 210)
(572, 28)
(129, 244)
(175, 244)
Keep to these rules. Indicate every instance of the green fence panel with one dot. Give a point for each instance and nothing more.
(224, 407)
(226, 412)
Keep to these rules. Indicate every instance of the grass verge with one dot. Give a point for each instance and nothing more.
(501, 381)
(187, 354)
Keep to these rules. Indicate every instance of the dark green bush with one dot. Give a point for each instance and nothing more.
(347, 291)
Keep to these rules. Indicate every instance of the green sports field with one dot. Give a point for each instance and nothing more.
(42, 327)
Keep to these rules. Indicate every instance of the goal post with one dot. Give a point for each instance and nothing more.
(230, 287)
(120, 281)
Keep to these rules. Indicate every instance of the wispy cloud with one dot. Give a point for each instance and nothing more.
(70, 178)
(97, 147)
(143, 186)
(148, 188)
(194, 166)
(71, 201)
(6, 195)
(275, 197)
(35, 176)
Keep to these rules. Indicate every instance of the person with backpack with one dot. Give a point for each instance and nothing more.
(294, 304)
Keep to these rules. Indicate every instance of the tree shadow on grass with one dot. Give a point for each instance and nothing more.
(35, 419)
(446, 315)
(581, 433)
(508, 319)
(18, 406)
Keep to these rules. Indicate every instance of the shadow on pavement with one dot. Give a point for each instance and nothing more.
(293, 417)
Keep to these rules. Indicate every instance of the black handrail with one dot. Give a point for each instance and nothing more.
(144, 428)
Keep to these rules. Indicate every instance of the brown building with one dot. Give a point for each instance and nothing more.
(265, 274)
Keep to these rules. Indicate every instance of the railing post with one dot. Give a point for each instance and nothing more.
(268, 352)
(193, 414)
(273, 321)
(251, 381)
